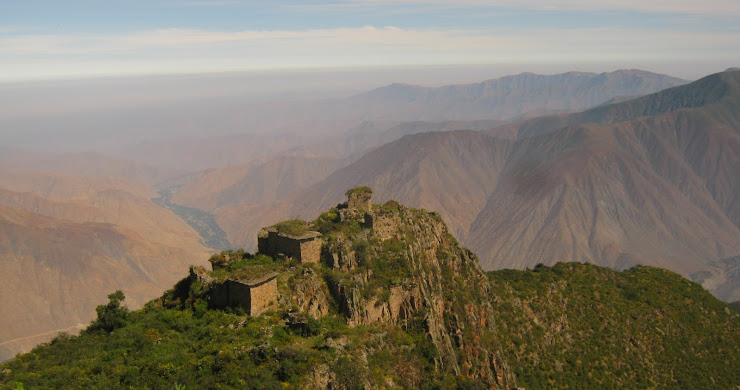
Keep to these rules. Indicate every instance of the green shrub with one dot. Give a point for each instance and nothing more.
(359, 190)
(293, 227)
(111, 316)
(348, 374)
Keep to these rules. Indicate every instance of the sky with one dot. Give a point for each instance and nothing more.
(46, 40)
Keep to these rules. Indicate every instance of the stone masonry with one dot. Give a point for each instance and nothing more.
(359, 201)
(306, 248)
(255, 295)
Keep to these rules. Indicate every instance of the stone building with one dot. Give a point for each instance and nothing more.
(306, 247)
(360, 198)
(255, 295)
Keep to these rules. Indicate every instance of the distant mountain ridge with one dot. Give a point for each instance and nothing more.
(655, 184)
(511, 97)
(719, 88)
(215, 133)
(55, 270)
(449, 172)
(88, 164)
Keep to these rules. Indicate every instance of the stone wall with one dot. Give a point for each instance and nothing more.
(263, 296)
(310, 251)
(239, 295)
(360, 201)
(306, 248)
(279, 243)
(255, 298)
(385, 225)
(219, 295)
(263, 242)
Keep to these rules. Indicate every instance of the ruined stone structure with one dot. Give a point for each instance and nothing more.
(306, 248)
(254, 295)
(360, 198)
(385, 224)
(358, 207)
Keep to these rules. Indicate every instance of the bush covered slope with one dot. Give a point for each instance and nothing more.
(582, 326)
(397, 303)
(401, 305)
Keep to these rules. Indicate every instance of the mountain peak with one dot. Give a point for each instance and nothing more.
(379, 265)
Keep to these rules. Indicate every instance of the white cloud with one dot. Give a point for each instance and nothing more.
(704, 7)
(185, 51)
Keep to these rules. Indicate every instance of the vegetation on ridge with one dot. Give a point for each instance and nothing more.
(178, 339)
(568, 326)
(582, 326)
(240, 265)
(359, 190)
(293, 227)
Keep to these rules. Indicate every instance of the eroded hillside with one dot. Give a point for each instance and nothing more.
(67, 240)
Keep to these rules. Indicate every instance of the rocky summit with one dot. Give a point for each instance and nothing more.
(393, 301)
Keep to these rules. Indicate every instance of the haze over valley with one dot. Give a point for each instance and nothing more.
(465, 151)
(133, 149)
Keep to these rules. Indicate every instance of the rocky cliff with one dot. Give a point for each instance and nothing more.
(390, 268)
(410, 269)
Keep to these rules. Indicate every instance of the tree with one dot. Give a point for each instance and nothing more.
(111, 316)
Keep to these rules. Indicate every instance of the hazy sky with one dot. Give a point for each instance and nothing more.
(81, 38)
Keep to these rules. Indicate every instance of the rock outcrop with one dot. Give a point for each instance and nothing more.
(309, 293)
(388, 268)
(407, 269)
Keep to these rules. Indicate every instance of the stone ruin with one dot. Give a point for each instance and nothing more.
(358, 206)
(255, 295)
(306, 248)
(360, 198)
(258, 294)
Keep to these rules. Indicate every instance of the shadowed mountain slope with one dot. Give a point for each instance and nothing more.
(451, 172)
(659, 190)
(604, 195)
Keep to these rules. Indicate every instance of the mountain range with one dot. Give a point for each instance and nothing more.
(508, 98)
(651, 180)
(645, 175)
(243, 132)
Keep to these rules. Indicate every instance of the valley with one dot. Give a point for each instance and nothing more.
(201, 221)
(369, 195)
(645, 181)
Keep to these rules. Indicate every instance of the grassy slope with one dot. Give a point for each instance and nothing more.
(582, 326)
